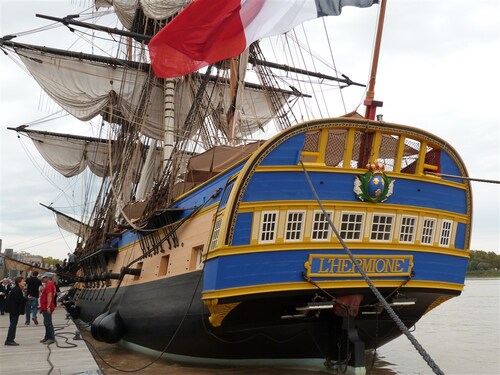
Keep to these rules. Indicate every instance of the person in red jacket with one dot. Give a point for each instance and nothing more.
(47, 307)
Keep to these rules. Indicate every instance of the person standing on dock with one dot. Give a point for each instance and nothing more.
(47, 307)
(4, 291)
(33, 285)
(15, 306)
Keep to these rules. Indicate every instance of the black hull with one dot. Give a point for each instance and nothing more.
(168, 316)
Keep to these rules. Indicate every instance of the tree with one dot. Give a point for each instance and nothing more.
(51, 261)
(482, 260)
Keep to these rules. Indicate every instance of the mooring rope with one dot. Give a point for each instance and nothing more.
(179, 223)
(373, 288)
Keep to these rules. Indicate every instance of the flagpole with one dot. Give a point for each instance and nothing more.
(370, 103)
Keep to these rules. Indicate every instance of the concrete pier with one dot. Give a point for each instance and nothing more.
(66, 356)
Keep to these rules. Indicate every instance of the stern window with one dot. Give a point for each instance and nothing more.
(351, 226)
(428, 231)
(268, 226)
(407, 230)
(382, 227)
(444, 239)
(321, 229)
(294, 226)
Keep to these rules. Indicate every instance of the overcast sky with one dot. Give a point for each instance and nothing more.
(438, 71)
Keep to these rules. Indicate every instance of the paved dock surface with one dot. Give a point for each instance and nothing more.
(66, 356)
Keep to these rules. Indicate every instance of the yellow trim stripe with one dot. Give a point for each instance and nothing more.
(319, 246)
(349, 147)
(286, 287)
(421, 158)
(323, 141)
(399, 154)
(377, 139)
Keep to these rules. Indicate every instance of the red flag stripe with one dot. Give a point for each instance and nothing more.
(207, 31)
(187, 43)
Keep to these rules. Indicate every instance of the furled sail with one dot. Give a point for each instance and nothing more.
(254, 111)
(86, 89)
(17, 265)
(69, 224)
(126, 10)
(71, 154)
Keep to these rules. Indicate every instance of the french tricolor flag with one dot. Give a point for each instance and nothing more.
(208, 31)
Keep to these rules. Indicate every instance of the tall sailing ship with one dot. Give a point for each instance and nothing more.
(211, 247)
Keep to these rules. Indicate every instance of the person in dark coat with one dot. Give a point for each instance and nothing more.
(4, 291)
(33, 285)
(15, 306)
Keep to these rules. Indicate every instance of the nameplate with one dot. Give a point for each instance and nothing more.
(373, 265)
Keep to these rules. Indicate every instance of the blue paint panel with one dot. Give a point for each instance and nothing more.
(429, 195)
(460, 236)
(242, 229)
(201, 195)
(280, 186)
(253, 269)
(127, 238)
(277, 186)
(448, 166)
(287, 153)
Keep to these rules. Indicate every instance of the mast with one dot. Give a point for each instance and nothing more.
(234, 65)
(370, 103)
(168, 119)
(365, 149)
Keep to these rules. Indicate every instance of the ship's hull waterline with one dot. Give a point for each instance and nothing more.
(168, 316)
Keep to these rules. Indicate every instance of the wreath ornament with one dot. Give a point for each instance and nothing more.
(374, 186)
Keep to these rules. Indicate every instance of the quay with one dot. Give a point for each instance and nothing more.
(69, 355)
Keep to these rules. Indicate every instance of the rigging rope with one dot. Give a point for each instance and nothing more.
(333, 62)
(300, 51)
(296, 63)
(435, 368)
(464, 178)
(177, 225)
